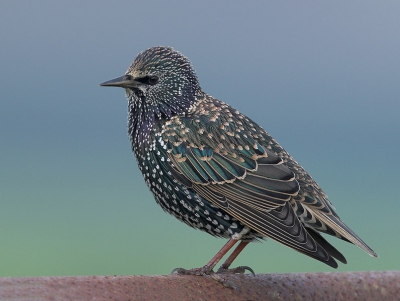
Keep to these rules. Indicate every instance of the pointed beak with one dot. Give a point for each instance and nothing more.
(124, 81)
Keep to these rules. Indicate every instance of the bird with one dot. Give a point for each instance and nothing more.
(218, 171)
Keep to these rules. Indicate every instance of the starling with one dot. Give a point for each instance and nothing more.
(217, 170)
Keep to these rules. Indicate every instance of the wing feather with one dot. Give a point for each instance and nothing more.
(250, 177)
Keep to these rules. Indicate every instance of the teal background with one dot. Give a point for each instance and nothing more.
(322, 77)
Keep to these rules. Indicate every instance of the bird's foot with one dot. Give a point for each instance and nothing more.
(237, 270)
(197, 271)
(207, 271)
(225, 282)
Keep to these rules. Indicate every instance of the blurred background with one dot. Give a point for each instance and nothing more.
(321, 77)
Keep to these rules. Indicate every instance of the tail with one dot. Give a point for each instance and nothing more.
(345, 232)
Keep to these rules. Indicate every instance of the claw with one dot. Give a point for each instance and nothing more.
(237, 270)
(249, 269)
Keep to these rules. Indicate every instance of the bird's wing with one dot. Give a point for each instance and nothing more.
(231, 169)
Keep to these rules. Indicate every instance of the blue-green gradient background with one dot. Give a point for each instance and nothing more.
(322, 77)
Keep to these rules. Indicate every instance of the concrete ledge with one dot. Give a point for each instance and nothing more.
(302, 286)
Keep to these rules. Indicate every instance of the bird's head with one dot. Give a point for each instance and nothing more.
(160, 78)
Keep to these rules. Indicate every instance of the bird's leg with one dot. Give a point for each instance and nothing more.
(207, 269)
(221, 253)
(224, 268)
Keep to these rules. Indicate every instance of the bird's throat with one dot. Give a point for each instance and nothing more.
(141, 122)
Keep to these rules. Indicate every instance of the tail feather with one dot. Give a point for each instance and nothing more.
(344, 231)
(331, 250)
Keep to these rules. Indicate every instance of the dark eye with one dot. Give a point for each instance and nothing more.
(152, 79)
(149, 79)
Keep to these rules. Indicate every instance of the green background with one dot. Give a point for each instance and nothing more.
(321, 77)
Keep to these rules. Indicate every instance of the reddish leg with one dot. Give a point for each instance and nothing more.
(221, 253)
(208, 268)
(212, 263)
(234, 254)
(224, 268)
